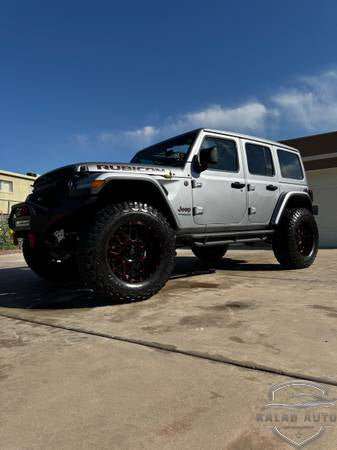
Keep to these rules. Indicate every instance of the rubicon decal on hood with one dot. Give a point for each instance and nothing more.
(120, 167)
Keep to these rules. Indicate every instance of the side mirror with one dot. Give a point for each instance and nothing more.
(206, 156)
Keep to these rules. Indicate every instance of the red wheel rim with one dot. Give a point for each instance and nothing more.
(133, 252)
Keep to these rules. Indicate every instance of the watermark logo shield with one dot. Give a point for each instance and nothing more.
(298, 411)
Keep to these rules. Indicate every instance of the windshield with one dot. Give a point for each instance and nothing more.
(173, 152)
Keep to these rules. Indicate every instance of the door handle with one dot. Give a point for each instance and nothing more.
(271, 187)
(238, 185)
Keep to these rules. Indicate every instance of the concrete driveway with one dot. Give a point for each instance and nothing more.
(188, 368)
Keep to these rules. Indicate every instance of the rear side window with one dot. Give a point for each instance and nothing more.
(227, 154)
(260, 160)
(290, 165)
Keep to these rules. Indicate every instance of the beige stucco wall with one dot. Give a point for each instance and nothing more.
(22, 185)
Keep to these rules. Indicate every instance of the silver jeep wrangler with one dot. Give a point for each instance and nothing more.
(117, 226)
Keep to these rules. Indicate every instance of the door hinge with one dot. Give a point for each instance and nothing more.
(196, 184)
(198, 210)
(251, 187)
(251, 210)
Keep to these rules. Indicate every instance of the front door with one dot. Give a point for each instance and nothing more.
(219, 192)
(262, 182)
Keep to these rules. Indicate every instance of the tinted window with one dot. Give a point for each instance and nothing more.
(290, 165)
(227, 154)
(260, 161)
(173, 152)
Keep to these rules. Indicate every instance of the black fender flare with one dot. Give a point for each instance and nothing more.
(290, 197)
(159, 189)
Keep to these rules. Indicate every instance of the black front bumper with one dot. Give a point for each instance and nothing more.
(38, 219)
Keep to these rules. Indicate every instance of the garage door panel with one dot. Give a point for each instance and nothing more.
(324, 185)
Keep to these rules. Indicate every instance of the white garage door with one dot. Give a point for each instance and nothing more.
(324, 184)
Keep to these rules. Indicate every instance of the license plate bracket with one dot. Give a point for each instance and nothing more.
(22, 223)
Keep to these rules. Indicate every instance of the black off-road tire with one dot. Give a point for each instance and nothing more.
(39, 259)
(102, 249)
(295, 242)
(210, 254)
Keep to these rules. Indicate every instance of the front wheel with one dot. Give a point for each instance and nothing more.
(295, 242)
(128, 252)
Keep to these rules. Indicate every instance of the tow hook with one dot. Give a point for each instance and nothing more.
(32, 240)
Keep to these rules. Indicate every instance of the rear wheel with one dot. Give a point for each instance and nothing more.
(210, 254)
(128, 252)
(295, 242)
(44, 264)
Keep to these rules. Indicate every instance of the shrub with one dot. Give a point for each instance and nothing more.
(6, 241)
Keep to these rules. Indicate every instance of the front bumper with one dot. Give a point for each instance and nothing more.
(39, 219)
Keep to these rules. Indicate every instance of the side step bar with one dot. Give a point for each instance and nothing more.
(212, 239)
(227, 241)
(232, 233)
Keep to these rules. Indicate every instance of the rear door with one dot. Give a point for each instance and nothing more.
(262, 181)
(219, 192)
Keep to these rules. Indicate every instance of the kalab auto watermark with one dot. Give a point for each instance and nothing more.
(298, 412)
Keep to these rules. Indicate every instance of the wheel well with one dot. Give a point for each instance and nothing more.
(299, 201)
(294, 201)
(136, 190)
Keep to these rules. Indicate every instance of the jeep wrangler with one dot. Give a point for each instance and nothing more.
(117, 225)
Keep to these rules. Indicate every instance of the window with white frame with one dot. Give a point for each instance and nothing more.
(6, 186)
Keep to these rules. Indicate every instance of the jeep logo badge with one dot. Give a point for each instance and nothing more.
(184, 211)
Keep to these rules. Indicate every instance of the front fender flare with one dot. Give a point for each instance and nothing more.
(109, 180)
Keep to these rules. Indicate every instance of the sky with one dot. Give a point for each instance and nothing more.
(97, 80)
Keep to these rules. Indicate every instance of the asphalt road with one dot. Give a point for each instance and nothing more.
(188, 368)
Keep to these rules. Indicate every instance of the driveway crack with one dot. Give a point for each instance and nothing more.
(250, 365)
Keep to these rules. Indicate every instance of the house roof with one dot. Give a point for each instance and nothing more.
(17, 175)
(318, 151)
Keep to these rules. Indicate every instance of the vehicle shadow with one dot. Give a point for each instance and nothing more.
(227, 264)
(21, 288)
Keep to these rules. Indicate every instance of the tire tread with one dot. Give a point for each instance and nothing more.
(89, 269)
(284, 242)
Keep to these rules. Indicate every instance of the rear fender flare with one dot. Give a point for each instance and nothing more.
(295, 198)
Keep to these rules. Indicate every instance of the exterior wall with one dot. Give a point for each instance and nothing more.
(324, 185)
(319, 153)
(22, 186)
